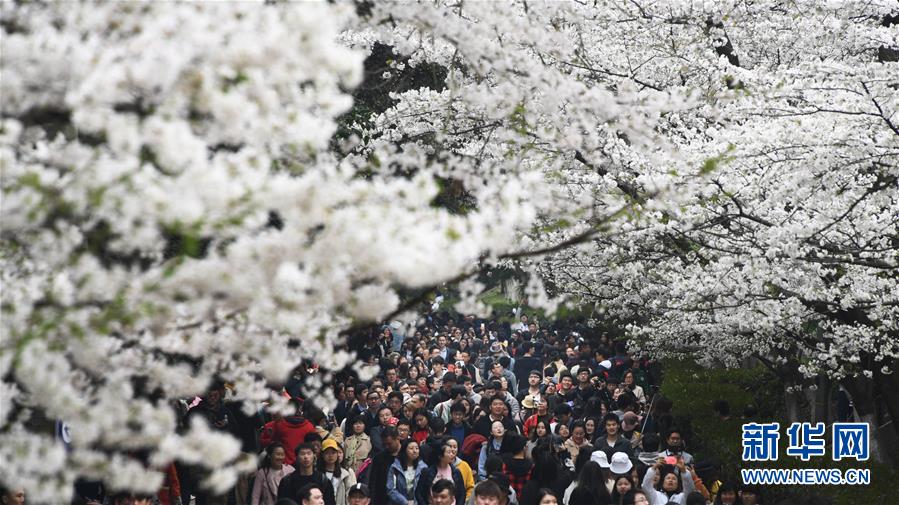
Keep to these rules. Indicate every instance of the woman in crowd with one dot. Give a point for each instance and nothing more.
(674, 484)
(539, 433)
(405, 473)
(357, 446)
(329, 465)
(443, 467)
(463, 467)
(591, 487)
(265, 486)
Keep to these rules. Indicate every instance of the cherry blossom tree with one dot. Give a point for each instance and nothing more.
(197, 192)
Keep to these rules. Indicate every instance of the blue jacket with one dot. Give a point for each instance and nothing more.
(396, 483)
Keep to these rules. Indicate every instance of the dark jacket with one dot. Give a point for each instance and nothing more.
(423, 489)
(621, 445)
(377, 478)
(290, 486)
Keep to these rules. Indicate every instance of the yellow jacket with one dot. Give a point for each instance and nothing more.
(467, 477)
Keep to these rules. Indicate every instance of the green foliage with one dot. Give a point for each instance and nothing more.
(693, 388)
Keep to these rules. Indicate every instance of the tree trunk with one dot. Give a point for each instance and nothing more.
(884, 440)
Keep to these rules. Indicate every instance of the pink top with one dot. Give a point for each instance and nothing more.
(265, 487)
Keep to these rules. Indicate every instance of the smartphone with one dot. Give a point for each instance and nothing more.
(670, 460)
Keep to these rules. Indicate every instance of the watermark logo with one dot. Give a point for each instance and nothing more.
(806, 441)
(760, 441)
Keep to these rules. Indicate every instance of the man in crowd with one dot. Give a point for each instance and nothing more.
(305, 475)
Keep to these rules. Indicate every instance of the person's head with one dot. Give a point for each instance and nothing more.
(311, 494)
(497, 406)
(488, 492)
(721, 407)
(628, 378)
(421, 419)
(409, 453)
(395, 401)
(449, 449)
(674, 440)
(590, 426)
(464, 356)
(650, 442)
(275, 454)
(562, 430)
(403, 429)
(358, 425)
(727, 494)
(565, 381)
(443, 492)
(391, 375)
(583, 375)
(578, 433)
(541, 405)
(390, 439)
(546, 497)
(497, 429)
(384, 415)
(12, 497)
(535, 378)
(441, 342)
(315, 440)
(669, 481)
(623, 484)
(563, 413)
(358, 494)
(373, 399)
(330, 455)
(541, 429)
(591, 477)
(695, 498)
(496, 368)
(457, 413)
(640, 498)
(305, 456)
(612, 424)
(750, 495)
(437, 426)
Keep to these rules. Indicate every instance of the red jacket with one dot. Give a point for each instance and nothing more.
(289, 431)
(171, 487)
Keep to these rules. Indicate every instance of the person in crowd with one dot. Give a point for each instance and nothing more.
(329, 465)
(13, 496)
(544, 497)
(442, 468)
(727, 494)
(675, 446)
(384, 415)
(541, 413)
(499, 369)
(359, 494)
(463, 467)
(305, 476)
(458, 428)
(591, 487)
(381, 463)
(489, 492)
(274, 469)
(629, 382)
(525, 364)
(540, 434)
(312, 494)
(404, 474)
(613, 442)
(357, 446)
(422, 427)
(493, 445)
(750, 495)
(578, 440)
(516, 466)
(498, 408)
(623, 491)
(674, 483)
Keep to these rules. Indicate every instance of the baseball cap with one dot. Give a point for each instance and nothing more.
(329, 443)
(358, 488)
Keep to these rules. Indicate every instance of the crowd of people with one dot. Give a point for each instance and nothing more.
(465, 411)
